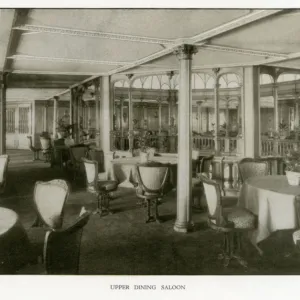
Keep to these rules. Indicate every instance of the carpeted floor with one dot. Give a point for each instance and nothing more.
(123, 243)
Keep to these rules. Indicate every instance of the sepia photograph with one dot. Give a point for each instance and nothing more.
(149, 141)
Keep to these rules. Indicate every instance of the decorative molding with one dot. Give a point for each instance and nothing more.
(244, 20)
(55, 73)
(93, 34)
(185, 52)
(67, 60)
(243, 51)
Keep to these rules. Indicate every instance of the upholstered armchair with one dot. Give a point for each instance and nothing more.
(231, 221)
(99, 185)
(150, 186)
(250, 167)
(296, 234)
(49, 201)
(61, 249)
(203, 166)
(4, 159)
(75, 165)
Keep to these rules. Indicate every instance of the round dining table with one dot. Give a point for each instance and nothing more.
(14, 243)
(272, 199)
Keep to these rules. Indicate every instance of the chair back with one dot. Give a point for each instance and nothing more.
(45, 143)
(49, 200)
(4, 159)
(91, 172)
(206, 163)
(78, 152)
(62, 248)
(250, 167)
(214, 201)
(152, 176)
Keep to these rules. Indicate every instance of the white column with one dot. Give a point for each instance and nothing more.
(297, 111)
(199, 114)
(105, 113)
(217, 117)
(73, 111)
(184, 172)
(227, 119)
(55, 104)
(159, 115)
(97, 109)
(251, 111)
(275, 97)
(45, 115)
(3, 113)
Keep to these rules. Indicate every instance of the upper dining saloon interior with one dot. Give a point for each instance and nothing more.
(149, 142)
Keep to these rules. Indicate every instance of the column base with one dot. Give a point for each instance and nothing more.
(183, 227)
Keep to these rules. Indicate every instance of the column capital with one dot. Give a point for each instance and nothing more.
(185, 52)
(217, 85)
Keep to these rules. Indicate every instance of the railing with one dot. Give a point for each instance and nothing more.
(203, 142)
(165, 143)
(277, 147)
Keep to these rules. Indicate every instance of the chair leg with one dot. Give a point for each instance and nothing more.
(107, 203)
(99, 205)
(156, 216)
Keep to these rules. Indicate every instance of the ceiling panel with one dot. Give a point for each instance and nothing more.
(279, 33)
(160, 23)
(76, 47)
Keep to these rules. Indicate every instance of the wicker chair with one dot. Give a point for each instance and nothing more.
(99, 185)
(75, 165)
(249, 167)
(232, 221)
(4, 159)
(151, 181)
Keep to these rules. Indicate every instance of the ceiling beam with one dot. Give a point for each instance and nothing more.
(244, 51)
(67, 60)
(237, 23)
(92, 34)
(279, 60)
(20, 17)
(33, 72)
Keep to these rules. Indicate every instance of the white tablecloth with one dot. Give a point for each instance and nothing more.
(14, 243)
(271, 198)
(123, 169)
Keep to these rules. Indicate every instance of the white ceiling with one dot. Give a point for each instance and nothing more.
(99, 42)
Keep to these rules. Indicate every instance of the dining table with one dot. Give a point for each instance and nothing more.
(14, 242)
(272, 199)
(124, 169)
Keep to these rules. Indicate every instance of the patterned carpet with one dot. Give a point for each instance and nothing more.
(123, 243)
